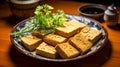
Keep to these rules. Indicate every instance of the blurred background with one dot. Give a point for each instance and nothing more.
(106, 2)
(28, 11)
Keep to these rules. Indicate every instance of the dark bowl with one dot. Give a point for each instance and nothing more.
(90, 22)
(23, 8)
(95, 11)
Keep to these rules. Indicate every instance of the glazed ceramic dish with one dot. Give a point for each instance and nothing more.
(90, 22)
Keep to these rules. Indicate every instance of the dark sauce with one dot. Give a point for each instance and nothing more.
(92, 10)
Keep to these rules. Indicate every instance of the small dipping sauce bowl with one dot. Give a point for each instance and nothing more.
(95, 11)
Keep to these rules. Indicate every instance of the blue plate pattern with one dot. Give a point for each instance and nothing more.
(90, 22)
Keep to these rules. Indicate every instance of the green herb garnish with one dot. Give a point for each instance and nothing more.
(44, 21)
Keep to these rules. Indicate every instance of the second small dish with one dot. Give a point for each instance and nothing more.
(95, 11)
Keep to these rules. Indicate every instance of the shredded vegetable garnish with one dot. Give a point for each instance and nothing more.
(44, 21)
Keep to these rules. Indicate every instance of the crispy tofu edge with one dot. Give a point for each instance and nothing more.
(72, 33)
(81, 50)
(31, 47)
(62, 53)
(38, 34)
(45, 54)
(52, 42)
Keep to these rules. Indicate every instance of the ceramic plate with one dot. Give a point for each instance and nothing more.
(90, 22)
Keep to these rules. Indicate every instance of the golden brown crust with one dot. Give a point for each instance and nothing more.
(38, 34)
(70, 28)
(66, 50)
(80, 43)
(46, 50)
(54, 39)
(84, 40)
(31, 42)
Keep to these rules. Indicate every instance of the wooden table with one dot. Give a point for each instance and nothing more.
(109, 56)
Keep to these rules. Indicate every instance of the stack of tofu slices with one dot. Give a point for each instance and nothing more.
(70, 40)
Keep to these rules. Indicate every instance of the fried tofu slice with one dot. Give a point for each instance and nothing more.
(54, 39)
(65, 50)
(84, 40)
(94, 35)
(70, 28)
(66, 31)
(46, 50)
(91, 34)
(38, 34)
(77, 24)
(86, 29)
(80, 43)
(31, 42)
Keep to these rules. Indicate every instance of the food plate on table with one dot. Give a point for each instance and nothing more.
(88, 21)
(58, 37)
